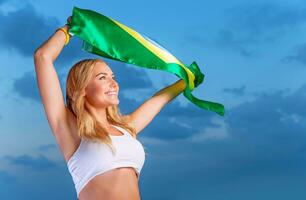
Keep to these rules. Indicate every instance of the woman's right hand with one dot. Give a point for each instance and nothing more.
(69, 19)
(67, 25)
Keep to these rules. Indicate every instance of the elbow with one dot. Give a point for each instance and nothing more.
(37, 52)
(40, 59)
(39, 55)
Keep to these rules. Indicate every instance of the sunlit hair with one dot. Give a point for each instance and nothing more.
(88, 127)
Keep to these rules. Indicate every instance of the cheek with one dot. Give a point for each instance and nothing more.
(95, 90)
(99, 89)
(98, 92)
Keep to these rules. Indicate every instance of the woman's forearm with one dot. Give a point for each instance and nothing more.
(54, 45)
(170, 92)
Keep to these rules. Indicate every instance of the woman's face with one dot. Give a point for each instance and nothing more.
(102, 90)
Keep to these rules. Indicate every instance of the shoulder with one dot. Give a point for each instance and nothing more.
(128, 119)
(130, 122)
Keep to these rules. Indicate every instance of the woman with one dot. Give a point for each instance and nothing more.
(98, 143)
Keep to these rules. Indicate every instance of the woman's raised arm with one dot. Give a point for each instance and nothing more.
(146, 112)
(47, 79)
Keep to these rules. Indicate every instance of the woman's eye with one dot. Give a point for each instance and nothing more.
(103, 77)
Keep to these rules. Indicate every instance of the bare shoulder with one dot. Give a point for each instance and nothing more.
(66, 135)
(128, 119)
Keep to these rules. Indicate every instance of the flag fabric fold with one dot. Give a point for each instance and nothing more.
(109, 38)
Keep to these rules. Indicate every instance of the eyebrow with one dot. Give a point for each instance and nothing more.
(102, 73)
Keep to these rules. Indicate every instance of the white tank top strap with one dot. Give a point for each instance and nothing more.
(125, 132)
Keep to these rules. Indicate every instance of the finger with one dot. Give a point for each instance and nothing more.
(69, 19)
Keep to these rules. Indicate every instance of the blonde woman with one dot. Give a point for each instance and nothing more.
(98, 143)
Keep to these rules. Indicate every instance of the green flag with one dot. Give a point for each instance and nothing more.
(108, 38)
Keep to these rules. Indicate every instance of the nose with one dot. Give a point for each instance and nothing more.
(113, 83)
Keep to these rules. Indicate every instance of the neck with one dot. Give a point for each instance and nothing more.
(99, 114)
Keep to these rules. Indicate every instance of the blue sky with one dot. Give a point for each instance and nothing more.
(253, 55)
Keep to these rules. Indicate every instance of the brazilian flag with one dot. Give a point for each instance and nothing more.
(109, 38)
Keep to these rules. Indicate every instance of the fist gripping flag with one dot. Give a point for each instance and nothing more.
(109, 38)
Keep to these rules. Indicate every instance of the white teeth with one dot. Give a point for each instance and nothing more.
(111, 93)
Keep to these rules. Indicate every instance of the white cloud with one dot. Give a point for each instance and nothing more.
(136, 94)
(10, 6)
(293, 117)
(152, 141)
(209, 133)
(179, 122)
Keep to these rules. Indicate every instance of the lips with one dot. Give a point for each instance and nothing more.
(111, 93)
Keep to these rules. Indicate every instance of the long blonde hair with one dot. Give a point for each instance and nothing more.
(87, 125)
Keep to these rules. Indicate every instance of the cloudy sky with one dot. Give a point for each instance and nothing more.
(253, 56)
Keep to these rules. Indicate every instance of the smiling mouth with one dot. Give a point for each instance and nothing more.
(111, 93)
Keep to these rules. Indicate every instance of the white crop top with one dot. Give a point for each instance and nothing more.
(93, 158)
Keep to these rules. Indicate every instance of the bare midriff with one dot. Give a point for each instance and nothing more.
(116, 184)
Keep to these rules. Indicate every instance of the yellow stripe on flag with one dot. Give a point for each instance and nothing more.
(162, 54)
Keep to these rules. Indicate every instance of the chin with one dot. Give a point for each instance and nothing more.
(115, 103)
